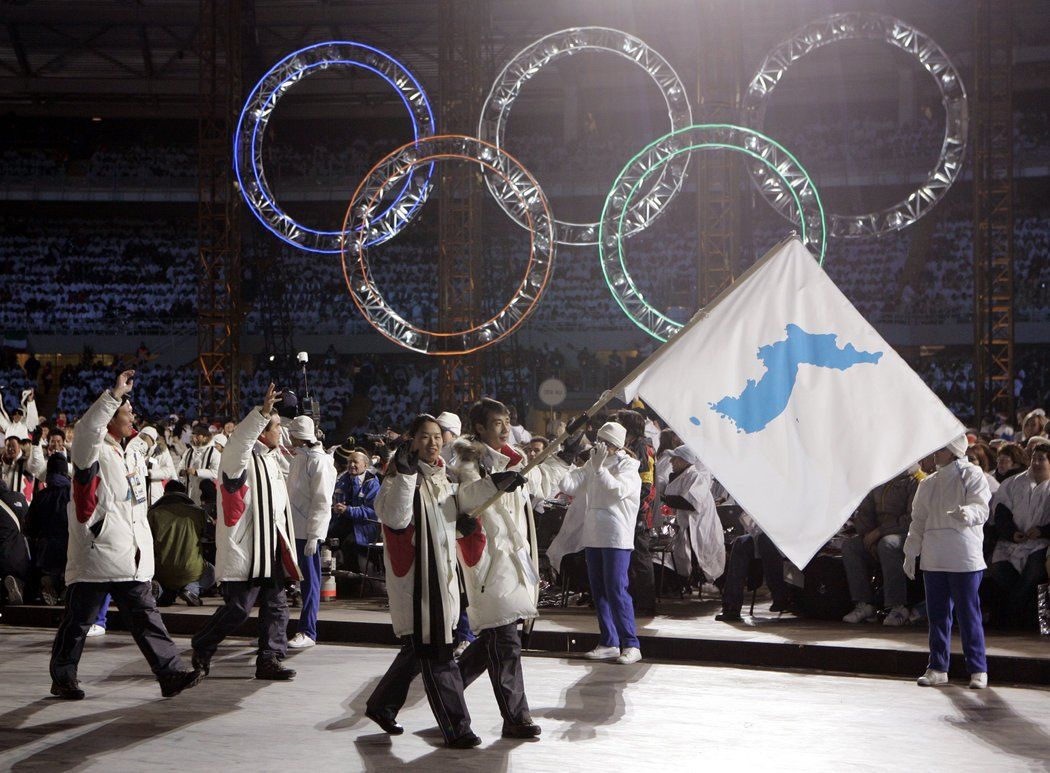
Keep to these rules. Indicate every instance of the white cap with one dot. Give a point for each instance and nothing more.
(685, 453)
(302, 428)
(614, 433)
(958, 446)
(451, 422)
(149, 432)
(220, 439)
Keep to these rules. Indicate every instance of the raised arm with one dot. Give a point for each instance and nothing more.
(238, 451)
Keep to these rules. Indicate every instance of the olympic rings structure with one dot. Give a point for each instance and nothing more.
(870, 26)
(638, 197)
(617, 211)
(251, 132)
(387, 174)
(526, 63)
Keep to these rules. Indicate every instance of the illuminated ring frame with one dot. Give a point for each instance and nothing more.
(790, 175)
(386, 174)
(870, 26)
(493, 124)
(259, 107)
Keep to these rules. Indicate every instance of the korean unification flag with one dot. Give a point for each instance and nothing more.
(794, 402)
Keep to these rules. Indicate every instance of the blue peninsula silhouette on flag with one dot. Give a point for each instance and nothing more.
(792, 399)
(765, 399)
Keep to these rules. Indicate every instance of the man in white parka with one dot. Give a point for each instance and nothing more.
(502, 583)
(254, 542)
(421, 527)
(111, 547)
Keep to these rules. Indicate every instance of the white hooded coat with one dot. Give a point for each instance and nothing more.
(311, 483)
(109, 535)
(611, 495)
(947, 519)
(500, 590)
(699, 530)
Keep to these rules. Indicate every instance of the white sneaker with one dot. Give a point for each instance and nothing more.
(96, 630)
(15, 589)
(897, 617)
(629, 655)
(301, 642)
(933, 678)
(978, 681)
(603, 653)
(862, 613)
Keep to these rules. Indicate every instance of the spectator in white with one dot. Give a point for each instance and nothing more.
(421, 526)
(947, 530)
(22, 464)
(111, 547)
(610, 487)
(519, 436)
(451, 429)
(502, 584)
(207, 475)
(255, 543)
(688, 493)
(23, 419)
(193, 462)
(881, 522)
(160, 468)
(311, 481)
(1021, 509)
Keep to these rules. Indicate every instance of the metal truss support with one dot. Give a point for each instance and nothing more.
(219, 280)
(463, 30)
(993, 218)
(721, 175)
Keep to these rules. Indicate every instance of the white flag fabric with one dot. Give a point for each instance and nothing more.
(795, 403)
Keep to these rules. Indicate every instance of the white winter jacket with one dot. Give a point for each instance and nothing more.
(409, 548)
(699, 530)
(21, 474)
(311, 483)
(206, 460)
(947, 519)
(109, 536)
(500, 589)
(20, 429)
(253, 526)
(612, 494)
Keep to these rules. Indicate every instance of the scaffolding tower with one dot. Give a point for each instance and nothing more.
(218, 227)
(993, 218)
(463, 29)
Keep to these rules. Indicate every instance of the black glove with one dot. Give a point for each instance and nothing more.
(510, 480)
(406, 460)
(466, 525)
(676, 502)
(570, 449)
